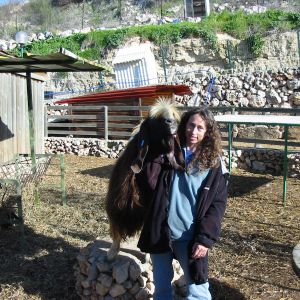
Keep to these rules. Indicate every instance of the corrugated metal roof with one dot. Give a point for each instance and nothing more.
(138, 92)
(63, 61)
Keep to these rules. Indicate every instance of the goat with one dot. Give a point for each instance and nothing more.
(128, 197)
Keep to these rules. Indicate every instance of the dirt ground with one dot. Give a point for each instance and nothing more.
(253, 259)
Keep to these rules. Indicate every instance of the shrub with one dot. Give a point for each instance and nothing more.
(255, 43)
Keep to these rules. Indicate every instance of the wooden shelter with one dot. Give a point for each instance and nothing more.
(14, 130)
(22, 98)
(124, 110)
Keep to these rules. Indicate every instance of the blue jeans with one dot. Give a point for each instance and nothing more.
(163, 274)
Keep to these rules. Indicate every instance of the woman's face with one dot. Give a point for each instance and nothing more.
(195, 131)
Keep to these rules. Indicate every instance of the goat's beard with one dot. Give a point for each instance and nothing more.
(168, 144)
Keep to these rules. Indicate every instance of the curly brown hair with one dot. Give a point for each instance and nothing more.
(209, 150)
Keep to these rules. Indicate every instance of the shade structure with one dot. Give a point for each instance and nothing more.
(62, 61)
(138, 92)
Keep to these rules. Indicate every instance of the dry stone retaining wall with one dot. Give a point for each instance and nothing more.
(260, 160)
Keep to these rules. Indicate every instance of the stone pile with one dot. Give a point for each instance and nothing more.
(128, 277)
(261, 160)
(84, 147)
(264, 161)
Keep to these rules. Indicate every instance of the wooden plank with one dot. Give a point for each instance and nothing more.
(127, 125)
(119, 133)
(74, 132)
(79, 117)
(90, 125)
(117, 108)
(82, 108)
(72, 125)
(123, 118)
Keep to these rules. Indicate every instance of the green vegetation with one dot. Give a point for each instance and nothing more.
(255, 44)
(251, 27)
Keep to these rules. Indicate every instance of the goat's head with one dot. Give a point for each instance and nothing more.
(157, 132)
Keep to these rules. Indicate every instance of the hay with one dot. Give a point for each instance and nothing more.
(253, 259)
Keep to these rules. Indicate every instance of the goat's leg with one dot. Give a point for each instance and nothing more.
(114, 249)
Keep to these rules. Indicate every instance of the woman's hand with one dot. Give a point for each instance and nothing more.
(199, 251)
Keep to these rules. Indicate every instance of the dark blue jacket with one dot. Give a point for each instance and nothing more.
(155, 235)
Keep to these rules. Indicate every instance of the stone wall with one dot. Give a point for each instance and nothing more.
(260, 160)
(189, 58)
(261, 89)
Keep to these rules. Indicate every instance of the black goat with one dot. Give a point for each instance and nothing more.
(128, 196)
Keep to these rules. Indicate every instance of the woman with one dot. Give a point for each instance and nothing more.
(185, 223)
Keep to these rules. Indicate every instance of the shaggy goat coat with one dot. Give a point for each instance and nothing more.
(135, 174)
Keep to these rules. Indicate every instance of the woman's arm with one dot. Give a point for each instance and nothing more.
(208, 227)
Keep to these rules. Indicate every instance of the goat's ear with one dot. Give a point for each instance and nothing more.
(143, 146)
(138, 163)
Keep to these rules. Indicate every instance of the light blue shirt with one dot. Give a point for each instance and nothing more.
(185, 191)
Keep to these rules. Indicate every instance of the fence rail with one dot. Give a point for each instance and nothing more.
(117, 122)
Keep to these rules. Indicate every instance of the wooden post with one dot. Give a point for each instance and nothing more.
(105, 123)
(31, 121)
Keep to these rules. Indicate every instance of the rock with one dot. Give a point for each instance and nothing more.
(117, 290)
(120, 271)
(134, 289)
(103, 266)
(143, 294)
(293, 84)
(142, 280)
(101, 289)
(273, 97)
(105, 280)
(41, 36)
(86, 283)
(134, 271)
(295, 98)
(258, 166)
(83, 264)
(257, 101)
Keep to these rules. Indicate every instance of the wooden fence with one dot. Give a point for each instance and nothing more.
(14, 124)
(117, 122)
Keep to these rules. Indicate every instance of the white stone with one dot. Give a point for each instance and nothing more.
(273, 97)
(41, 36)
(257, 101)
(142, 280)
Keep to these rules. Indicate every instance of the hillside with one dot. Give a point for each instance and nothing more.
(60, 15)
